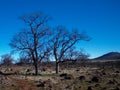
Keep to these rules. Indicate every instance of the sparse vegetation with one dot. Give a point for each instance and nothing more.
(76, 77)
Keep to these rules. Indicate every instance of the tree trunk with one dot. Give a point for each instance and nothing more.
(36, 69)
(57, 67)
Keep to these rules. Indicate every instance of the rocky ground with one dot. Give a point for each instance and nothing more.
(80, 78)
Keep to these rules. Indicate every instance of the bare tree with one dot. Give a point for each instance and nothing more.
(83, 56)
(73, 54)
(6, 59)
(62, 41)
(24, 61)
(33, 39)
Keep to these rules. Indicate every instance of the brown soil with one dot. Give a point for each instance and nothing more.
(23, 84)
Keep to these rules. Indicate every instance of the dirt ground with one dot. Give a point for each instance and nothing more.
(79, 78)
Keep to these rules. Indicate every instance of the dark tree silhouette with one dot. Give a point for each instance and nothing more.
(33, 39)
(62, 41)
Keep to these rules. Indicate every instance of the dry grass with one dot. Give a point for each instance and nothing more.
(79, 78)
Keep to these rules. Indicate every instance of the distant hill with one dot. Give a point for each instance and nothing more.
(109, 56)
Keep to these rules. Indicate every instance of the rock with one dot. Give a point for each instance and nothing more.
(63, 74)
(48, 84)
(95, 79)
(43, 69)
(82, 78)
(77, 70)
(89, 88)
(1, 73)
(97, 85)
(103, 72)
(66, 76)
(117, 72)
(104, 88)
(41, 84)
(28, 70)
(116, 88)
(111, 82)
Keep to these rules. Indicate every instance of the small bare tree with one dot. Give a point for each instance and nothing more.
(6, 59)
(32, 41)
(62, 41)
(24, 61)
(73, 54)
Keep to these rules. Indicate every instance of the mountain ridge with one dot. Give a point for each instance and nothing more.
(109, 56)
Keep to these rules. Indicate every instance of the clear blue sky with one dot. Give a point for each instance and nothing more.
(99, 18)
